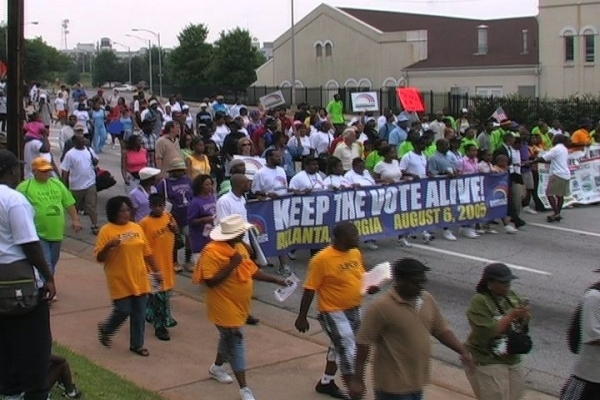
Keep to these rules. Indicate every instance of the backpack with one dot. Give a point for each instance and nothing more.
(574, 330)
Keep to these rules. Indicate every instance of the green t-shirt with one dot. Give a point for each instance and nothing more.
(430, 151)
(372, 159)
(497, 138)
(546, 139)
(483, 316)
(404, 148)
(49, 200)
(465, 142)
(452, 121)
(336, 111)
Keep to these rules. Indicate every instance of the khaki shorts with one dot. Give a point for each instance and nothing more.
(86, 200)
(528, 180)
(557, 186)
(497, 382)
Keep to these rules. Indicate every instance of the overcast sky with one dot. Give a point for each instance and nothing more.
(265, 19)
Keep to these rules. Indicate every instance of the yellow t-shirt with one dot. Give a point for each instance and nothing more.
(199, 167)
(228, 303)
(337, 277)
(125, 267)
(161, 241)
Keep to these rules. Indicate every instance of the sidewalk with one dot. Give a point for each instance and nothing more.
(282, 364)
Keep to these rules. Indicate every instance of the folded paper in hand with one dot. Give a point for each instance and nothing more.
(283, 293)
(377, 276)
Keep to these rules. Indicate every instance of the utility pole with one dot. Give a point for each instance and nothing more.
(160, 74)
(293, 99)
(16, 59)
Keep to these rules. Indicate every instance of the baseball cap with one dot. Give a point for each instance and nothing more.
(148, 172)
(7, 161)
(408, 266)
(499, 272)
(41, 164)
(79, 127)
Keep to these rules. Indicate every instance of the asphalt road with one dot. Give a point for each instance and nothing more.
(554, 262)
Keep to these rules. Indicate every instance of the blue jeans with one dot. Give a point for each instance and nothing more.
(391, 396)
(133, 307)
(51, 251)
(231, 347)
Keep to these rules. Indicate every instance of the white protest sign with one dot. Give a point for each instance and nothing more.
(253, 164)
(377, 276)
(365, 101)
(272, 100)
(282, 293)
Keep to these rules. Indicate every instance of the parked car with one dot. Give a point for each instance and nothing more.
(126, 88)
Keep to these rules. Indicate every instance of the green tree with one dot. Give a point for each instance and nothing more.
(73, 75)
(235, 59)
(189, 61)
(43, 62)
(107, 68)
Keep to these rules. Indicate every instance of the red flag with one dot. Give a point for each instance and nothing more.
(411, 99)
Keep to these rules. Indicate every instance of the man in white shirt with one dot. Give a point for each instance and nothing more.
(234, 202)
(438, 126)
(359, 176)
(270, 181)
(560, 175)
(33, 149)
(308, 180)
(321, 139)
(60, 106)
(221, 129)
(414, 163)
(348, 149)
(79, 175)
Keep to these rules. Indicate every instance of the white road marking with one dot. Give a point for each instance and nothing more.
(560, 228)
(480, 259)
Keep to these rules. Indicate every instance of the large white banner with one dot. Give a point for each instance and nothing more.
(585, 178)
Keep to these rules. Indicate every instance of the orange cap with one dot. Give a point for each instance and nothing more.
(41, 164)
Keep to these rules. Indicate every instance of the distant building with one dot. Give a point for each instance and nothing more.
(267, 50)
(343, 47)
(105, 44)
(569, 47)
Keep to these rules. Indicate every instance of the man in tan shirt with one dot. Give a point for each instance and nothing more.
(348, 149)
(398, 324)
(167, 146)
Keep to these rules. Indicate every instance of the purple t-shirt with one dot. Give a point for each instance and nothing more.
(139, 199)
(179, 193)
(201, 206)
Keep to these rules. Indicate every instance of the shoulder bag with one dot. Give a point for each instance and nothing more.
(518, 340)
(104, 178)
(18, 290)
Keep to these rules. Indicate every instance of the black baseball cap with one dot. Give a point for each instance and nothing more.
(7, 161)
(408, 266)
(499, 272)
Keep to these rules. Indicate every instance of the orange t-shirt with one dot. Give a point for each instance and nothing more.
(337, 278)
(228, 303)
(161, 241)
(125, 267)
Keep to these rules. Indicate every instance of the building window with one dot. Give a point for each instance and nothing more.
(489, 91)
(525, 35)
(590, 46)
(482, 39)
(319, 49)
(328, 49)
(569, 48)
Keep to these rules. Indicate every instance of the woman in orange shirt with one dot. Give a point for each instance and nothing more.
(160, 229)
(122, 247)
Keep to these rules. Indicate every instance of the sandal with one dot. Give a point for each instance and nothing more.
(177, 268)
(95, 230)
(140, 352)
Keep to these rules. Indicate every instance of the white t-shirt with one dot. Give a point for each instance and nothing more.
(31, 151)
(16, 225)
(363, 180)
(83, 117)
(229, 204)
(347, 153)
(415, 164)
(59, 104)
(66, 133)
(389, 171)
(303, 181)
(586, 366)
(270, 180)
(220, 133)
(176, 107)
(559, 161)
(78, 163)
(337, 182)
(320, 141)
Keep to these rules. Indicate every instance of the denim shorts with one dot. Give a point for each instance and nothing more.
(232, 348)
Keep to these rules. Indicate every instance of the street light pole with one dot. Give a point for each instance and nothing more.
(129, 57)
(149, 55)
(293, 99)
(160, 74)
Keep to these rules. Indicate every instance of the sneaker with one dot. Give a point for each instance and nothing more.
(510, 229)
(330, 389)
(448, 235)
(371, 245)
(73, 394)
(246, 394)
(469, 233)
(177, 268)
(284, 270)
(489, 229)
(292, 255)
(529, 210)
(427, 237)
(404, 242)
(219, 374)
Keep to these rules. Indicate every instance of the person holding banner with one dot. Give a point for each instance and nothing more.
(336, 275)
(228, 271)
(308, 180)
(560, 175)
(359, 176)
(335, 179)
